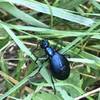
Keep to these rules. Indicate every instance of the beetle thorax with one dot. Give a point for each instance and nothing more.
(50, 51)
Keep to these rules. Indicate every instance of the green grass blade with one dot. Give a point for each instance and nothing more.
(18, 85)
(58, 12)
(21, 15)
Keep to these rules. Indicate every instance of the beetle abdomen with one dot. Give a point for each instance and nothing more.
(59, 66)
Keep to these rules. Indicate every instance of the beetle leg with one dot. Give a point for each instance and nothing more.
(53, 84)
(33, 49)
(39, 69)
(41, 58)
(68, 56)
(41, 66)
(30, 78)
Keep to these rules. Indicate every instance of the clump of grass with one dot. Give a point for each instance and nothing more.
(74, 30)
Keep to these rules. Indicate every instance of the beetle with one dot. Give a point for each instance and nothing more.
(59, 65)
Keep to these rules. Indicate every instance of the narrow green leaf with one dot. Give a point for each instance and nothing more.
(18, 85)
(18, 42)
(97, 5)
(52, 32)
(64, 94)
(21, 15)
(58, 12)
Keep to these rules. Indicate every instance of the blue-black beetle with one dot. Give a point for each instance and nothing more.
(59, 65)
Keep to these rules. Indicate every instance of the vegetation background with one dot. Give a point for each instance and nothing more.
(72, 26)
